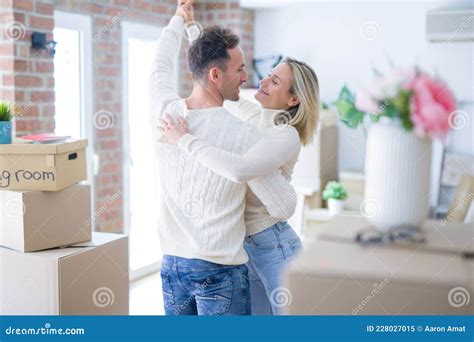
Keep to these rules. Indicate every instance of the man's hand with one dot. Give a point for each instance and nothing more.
(185, 9)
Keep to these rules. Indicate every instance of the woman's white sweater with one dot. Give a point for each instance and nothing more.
(279, 148)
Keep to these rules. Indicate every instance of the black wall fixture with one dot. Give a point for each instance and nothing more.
(263, 65)
(38, 41)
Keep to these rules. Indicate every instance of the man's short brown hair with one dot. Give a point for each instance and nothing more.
(210, 50)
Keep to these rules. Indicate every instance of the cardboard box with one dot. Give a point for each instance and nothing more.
(318, 163)
(35, 220)
(336, 276)
(440, 236)
(354, 183)
(42, 167)
(84, 279)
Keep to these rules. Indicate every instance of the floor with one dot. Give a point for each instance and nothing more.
(145, 296)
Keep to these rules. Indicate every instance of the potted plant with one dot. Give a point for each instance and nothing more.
(335, 194)
(6, 117)
(407, 108)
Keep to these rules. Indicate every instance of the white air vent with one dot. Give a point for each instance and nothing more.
(450, 25)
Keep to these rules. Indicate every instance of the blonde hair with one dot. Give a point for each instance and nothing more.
(305, 115)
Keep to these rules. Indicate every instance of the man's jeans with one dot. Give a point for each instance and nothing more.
(199, 287)
(269, 252)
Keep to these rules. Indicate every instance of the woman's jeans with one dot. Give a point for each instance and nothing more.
(269, 251)
(199, 287)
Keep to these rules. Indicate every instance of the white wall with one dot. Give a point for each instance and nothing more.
(334, 37)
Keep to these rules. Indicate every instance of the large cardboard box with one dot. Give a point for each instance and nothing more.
(318, 163)
(336, 276)
(440, 236)
(42, 167)
(84, 279)
(35, 220)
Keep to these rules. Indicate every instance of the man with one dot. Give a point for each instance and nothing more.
(202, 214)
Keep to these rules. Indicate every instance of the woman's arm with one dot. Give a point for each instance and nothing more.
(268, 154)
(260, 165)
(274, 149)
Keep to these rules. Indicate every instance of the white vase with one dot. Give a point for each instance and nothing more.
(397, 170)
(335, 206)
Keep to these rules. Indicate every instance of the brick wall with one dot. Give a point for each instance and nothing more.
(28, 75)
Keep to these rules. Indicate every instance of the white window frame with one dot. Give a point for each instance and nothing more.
(83, 24)
(132, 30)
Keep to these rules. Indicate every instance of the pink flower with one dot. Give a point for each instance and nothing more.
(431, 103)
(365, 103)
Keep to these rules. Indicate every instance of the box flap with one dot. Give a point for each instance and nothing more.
(98, 239)
(54, 253)
(22, 148)
(440, 236)
(74, 187)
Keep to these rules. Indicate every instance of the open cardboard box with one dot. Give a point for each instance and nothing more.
(36, 220)
(85, 279)
(334, 275)
(42, 167)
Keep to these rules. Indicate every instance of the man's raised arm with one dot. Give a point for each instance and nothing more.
(163, 74)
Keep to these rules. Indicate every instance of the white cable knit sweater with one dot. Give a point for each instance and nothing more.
(279, 148)
(201, 212)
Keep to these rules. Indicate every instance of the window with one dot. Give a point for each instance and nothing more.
(73, 83)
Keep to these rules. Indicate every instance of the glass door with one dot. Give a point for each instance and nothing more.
(140, 170)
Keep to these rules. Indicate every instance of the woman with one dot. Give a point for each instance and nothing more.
(288, 116)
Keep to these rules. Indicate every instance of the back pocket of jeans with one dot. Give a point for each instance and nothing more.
(214, 294)
(168, 295)
(266, 239)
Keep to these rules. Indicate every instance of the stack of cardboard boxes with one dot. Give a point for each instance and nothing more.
(51, 263)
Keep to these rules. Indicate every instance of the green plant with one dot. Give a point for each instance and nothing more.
(6, 112)
(334, 190)
(396, 107)
(420, 102)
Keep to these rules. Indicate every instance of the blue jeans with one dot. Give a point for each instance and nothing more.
(199, 287)
(269, 251)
